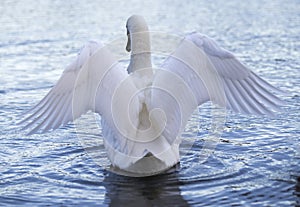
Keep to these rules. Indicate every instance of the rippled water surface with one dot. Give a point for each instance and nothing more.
(256, 161)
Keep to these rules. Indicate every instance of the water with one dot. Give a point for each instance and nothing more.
(255, 163)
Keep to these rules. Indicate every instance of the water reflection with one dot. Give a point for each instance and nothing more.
(297, 190)
(159, 190)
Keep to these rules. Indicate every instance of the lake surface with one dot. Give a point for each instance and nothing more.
(256, 161)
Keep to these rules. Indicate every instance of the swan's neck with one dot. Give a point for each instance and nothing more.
(140, 52)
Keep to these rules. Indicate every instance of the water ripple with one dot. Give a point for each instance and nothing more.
(256, 161)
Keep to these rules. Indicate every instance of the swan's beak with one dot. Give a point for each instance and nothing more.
(128, 46)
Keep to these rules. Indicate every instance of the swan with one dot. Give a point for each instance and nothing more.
(144, 110)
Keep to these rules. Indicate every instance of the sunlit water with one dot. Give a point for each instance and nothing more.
(257, 160)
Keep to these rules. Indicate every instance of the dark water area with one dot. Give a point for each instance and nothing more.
(256, 161)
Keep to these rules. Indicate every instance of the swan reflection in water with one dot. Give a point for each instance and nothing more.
(158, 190)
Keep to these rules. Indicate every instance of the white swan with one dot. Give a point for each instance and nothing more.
(136, 140)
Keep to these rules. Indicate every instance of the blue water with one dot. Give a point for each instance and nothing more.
(256, 162)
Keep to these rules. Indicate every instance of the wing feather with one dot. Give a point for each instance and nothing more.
(215, 74)
(75, 91)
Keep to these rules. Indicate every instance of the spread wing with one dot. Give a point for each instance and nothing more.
(86, 84)
(199, 71)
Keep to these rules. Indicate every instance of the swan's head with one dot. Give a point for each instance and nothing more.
(135, 24)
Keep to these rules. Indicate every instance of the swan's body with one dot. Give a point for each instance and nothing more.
(144, 112)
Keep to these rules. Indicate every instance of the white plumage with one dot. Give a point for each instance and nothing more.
(143, 111)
